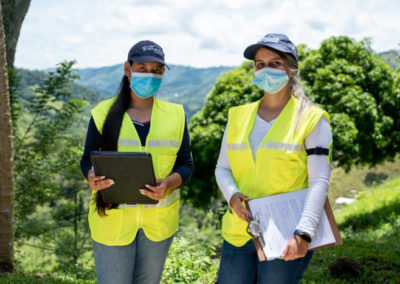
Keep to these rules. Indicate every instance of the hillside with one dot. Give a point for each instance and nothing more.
(391, 57)
(28, 79)
(31, 78)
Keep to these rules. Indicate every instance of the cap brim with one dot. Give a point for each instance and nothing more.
(251, 50)
(143, 59)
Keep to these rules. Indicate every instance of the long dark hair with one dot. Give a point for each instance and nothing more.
(111, 129)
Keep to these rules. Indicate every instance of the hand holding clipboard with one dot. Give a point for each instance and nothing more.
(276, 229)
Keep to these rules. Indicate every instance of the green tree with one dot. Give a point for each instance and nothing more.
(362, 95)
(48, 176)
(359, 90)
(70, 228)
(43, 148)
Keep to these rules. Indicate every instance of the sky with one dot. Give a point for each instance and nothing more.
(198, 33)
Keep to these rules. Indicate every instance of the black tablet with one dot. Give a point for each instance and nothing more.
(129, 170)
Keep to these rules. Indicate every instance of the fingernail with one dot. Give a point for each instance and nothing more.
(141, 191)
(112, 182)
(103, 177)
(146, 185)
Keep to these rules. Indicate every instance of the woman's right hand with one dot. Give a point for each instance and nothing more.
(98, 182)
(236, 204)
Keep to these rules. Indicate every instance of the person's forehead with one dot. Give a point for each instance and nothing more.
(265, 52)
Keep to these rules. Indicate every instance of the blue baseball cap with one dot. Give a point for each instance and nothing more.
(278, 42)
(146, 51)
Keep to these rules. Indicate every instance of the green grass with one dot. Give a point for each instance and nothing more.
(38, 277)
(370, 228)
(359, 179)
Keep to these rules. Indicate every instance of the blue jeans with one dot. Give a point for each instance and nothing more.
(240, 265)
(141, 261)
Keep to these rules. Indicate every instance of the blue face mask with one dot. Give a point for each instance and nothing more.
(145, 85)
(270, 80)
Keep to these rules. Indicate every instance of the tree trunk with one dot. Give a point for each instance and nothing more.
(14, 12)
(6, 164)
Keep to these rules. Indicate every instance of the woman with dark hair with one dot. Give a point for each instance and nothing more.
(131, 241)
(275, 145)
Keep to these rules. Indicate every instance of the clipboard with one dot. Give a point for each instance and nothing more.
(130, 171)
(258, 241)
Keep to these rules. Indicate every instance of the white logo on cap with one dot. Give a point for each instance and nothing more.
(153, 48)
(270, 39)
(291, 46)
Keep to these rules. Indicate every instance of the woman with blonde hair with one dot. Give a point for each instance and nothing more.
(278, 144)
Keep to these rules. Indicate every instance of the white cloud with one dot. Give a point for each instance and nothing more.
(192, 32)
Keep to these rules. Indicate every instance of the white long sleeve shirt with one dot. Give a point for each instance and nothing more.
(317, 167)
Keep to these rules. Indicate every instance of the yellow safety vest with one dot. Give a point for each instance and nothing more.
(158, 221)
(281, 160)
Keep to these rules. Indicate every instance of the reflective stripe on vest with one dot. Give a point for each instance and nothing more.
(162, 203)
(282, 146)
(152, 143)
(237, 146)
(280, 164)
(128, 142)
(163, 143)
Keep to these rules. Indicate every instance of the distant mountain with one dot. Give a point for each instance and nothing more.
(182, 84)
(391, 57)
(31, 78)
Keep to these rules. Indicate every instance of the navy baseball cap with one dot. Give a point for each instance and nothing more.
(146, 51)
(278, 42)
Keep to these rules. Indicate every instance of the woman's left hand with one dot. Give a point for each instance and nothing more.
(297, 247)
(156, 192)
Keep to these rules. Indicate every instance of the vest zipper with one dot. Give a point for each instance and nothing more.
(140, 215)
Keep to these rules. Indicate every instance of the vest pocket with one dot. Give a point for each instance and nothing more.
(234, 229)
(106, 229)
(288, 175)
(165, 165)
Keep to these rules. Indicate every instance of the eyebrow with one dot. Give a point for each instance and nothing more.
(274, 58)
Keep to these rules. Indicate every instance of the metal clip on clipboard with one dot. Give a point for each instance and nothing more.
(255, 231)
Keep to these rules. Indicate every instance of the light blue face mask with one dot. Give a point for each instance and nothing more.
(270, 80)
(145, 85)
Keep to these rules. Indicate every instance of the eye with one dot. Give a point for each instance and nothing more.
(276, 63)
(142, 69)
(158, 71)
(260, 65)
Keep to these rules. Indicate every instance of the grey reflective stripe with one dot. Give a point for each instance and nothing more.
(128, 142)
(282, 146)
(165, 202)
(126, 205)
(162, 203)
(238, 146)
(163, 143)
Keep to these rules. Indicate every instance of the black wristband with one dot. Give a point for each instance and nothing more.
(302, 235)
